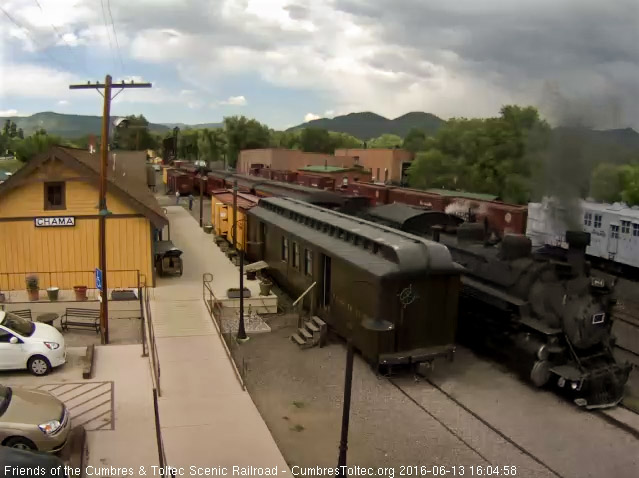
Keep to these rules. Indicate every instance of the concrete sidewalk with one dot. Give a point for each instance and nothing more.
(207, 420)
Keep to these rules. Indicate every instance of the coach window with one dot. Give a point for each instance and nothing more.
(625, 227)
(588, 219)
(285, 249)
(614, 231)
(635, 230)
(54, 197)
(308, 262)
(597, 221)
(296, 255)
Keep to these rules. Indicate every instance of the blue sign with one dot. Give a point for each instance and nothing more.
(98, 279)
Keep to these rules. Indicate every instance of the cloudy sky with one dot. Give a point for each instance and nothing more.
(284, 61)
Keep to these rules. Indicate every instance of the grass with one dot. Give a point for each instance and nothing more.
(10, 165)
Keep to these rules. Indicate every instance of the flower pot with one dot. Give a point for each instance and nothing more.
(265, 287)
(34, 294)
(52, 293)
(251, 275)
(80, 292)
(208, 229)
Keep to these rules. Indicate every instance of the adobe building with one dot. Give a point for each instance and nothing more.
(49, 221)
(341, 176)
(287, 160)
(386, 165)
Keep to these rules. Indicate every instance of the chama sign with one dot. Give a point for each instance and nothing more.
(55, 221)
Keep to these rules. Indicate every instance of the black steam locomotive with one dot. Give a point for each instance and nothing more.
(546, 316)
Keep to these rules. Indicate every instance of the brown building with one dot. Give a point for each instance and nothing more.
(287, 160)
(386, 165)
(341, 176)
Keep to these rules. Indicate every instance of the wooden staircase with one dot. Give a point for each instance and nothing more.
(312, 333)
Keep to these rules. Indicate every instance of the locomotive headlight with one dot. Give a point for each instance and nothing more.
(574, 385)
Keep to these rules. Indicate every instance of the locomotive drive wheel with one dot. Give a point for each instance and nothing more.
(540, 373)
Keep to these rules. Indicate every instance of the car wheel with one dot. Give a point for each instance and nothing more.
(38, 365)
(20, 443)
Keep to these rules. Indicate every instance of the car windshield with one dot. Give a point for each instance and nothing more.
(18, 325)
(5, 398)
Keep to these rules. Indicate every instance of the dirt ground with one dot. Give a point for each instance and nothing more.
(299, 394)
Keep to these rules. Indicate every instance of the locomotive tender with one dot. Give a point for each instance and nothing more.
(361, 270)
(548, 317)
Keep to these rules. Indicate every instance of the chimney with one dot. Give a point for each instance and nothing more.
(577, 243)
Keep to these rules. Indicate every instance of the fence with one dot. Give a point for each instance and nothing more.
(148, 342)
(214, 306)
(122, 278)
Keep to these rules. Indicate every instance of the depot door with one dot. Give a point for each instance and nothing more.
(613, 241)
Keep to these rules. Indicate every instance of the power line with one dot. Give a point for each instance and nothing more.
(106, 27)
(52, 25)
(26, 30)
(115, 34)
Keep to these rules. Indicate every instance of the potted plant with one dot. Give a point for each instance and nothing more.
(33, 287)
(80, 292)
(52, 293)
(208, 228)
(265, 287)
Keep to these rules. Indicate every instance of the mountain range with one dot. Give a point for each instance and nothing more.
(369, 125)
(361, 125)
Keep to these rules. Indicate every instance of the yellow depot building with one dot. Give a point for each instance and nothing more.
(49, 221)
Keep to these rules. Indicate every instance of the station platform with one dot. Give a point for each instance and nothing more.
(207, 419)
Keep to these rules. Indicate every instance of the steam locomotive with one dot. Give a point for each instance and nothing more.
(547, 317)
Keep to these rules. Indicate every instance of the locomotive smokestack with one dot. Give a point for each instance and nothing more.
(577, 243)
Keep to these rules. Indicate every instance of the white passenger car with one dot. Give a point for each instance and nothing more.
(31, 345)
(613, 228)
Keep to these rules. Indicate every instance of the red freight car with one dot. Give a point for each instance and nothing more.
(215, 181)
(417, 197)
(179, 181)
(377, 193)
(283, 176)
(316, 181)
(506, 218)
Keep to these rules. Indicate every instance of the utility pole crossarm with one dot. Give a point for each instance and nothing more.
(91, 86)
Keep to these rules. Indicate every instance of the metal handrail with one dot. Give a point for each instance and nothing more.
(211, 305)
(155, 361)
(9, 280)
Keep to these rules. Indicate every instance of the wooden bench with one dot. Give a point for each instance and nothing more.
(91, 319)
(25, 314)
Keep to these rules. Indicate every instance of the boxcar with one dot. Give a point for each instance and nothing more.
(417, 197)
(284, 176)
(222, 217)
(315, 181)
(378, 193)
(182, 182)
(361, 270)
(215, 181)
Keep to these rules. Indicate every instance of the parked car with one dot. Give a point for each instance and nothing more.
(31, 345)
(32, 420)
(46, 464)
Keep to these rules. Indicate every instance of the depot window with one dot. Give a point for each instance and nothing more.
(635, 230)
(625, 227)
(54, 196)
(597, 220)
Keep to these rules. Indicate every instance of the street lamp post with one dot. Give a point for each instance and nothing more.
(373, 324)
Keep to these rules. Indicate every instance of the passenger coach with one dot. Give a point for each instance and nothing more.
(361, 270)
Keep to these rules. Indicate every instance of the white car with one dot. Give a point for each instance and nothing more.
(31, 345)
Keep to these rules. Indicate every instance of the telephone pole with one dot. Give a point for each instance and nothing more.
(102, 205)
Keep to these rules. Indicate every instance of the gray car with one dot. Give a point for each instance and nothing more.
(32, 420)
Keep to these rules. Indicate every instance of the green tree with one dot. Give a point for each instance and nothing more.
(134, 135)
(630, 184)
(212, 144)
(316, 140)
(606, 183)
(385, 141)
(20, 133)
(286, 139)
(415, 141)
(344, 140)
(243, 133)
(30, 146)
